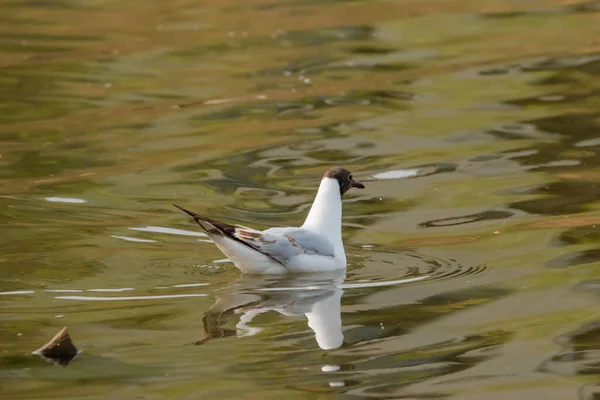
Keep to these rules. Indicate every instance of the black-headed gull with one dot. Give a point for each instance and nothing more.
(315, 246)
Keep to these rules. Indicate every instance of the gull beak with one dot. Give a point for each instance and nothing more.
(357, 185)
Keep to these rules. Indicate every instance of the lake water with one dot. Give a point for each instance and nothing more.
(474, 252)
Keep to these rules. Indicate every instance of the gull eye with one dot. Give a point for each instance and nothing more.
(350, 177)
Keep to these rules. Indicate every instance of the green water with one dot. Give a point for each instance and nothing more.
(474, 253)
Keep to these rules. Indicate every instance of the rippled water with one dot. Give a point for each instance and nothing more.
(474, 256)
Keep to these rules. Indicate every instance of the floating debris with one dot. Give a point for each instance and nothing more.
(60, 350)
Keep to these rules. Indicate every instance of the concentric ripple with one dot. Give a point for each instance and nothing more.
(385, 266)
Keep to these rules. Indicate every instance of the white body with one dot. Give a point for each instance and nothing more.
(323, 225)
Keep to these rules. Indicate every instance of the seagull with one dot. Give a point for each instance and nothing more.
(314, 247)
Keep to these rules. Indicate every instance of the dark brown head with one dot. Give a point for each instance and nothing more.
(344, 178)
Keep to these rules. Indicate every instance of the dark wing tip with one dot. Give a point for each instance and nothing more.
(193, 214)
(208, 224)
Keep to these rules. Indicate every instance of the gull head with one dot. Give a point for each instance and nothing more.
(344, 178)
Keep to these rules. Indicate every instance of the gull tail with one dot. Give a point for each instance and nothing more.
(248, 257)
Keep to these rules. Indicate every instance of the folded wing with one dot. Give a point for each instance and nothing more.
(283, 244)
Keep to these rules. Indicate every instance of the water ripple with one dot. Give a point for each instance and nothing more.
(127, 298)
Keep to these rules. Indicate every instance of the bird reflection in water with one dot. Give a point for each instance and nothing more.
(315, 296)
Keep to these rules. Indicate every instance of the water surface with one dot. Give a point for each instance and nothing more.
(474, 256)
